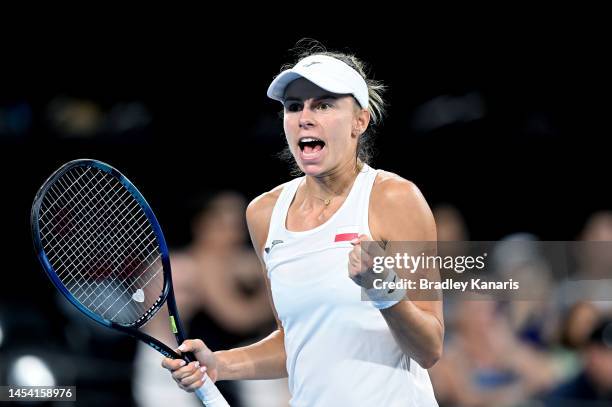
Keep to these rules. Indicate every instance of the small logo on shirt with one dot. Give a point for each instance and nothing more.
(346, 234)
(274, 243)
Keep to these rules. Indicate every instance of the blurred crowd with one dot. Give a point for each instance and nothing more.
(554, 350)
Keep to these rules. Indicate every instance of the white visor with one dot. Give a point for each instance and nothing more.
(327, 73)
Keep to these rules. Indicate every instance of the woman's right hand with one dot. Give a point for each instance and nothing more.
(190, 376)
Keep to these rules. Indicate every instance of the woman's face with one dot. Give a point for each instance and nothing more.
(322, 128)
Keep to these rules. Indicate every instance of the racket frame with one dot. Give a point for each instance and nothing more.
(167, 295)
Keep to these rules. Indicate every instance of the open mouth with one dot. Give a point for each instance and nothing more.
(310, 145)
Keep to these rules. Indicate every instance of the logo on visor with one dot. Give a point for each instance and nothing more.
(311, 64)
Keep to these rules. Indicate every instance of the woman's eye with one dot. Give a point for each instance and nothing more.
(324, 106)
(293, 107)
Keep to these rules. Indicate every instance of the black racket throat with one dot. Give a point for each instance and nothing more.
(174, 324)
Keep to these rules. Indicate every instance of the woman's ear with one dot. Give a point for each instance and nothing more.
(361, 122)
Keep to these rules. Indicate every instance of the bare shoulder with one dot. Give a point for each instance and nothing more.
(390, 186)
(398, 209)
(258, 214)
(261, 207)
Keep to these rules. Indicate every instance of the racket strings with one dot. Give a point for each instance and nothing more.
(89, 248)
(62, 220)
(100, 294)
(82, 233)
(101, 245)
(82, 256)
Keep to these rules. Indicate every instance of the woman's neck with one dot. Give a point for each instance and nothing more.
(335, 183)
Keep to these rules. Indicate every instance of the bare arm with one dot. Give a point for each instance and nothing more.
(403, 215)
(399, 213)
(262, 360)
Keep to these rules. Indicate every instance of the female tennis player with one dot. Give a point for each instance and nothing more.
(335, 348)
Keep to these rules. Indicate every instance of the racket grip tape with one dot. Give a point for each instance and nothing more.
(210, 395)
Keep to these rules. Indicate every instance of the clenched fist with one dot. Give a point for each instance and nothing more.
(361, 259)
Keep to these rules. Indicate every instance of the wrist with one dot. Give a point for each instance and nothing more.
(222, 364)
(385, 293)
(231, 364)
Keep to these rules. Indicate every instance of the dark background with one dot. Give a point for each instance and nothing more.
(533, 158)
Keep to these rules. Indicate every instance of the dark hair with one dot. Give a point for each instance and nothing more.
(602, 333)
(376, 104)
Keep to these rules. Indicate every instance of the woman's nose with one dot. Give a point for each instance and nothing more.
(306, 119)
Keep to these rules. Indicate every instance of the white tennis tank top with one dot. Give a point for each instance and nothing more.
(340, 351)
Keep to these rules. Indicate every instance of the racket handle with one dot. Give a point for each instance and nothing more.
(210, 395)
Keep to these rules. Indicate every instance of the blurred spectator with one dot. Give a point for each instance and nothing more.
(598, 227)
(485, 364)
(596, 263)
(450, 224)
(592, 278)
(593, 386)
(71, 117)
(530, 309)
(578, 324)
(574, 329)
(231, 286)
(221, 296)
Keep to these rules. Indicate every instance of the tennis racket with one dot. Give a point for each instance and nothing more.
(102, 247)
